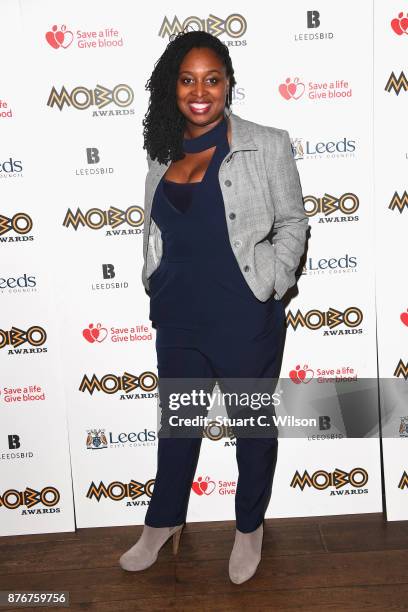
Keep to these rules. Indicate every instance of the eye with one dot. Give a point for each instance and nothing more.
(212, 80)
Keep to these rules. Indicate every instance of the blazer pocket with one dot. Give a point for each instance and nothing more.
(265, 261)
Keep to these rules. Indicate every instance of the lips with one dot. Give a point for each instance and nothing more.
(199, 108)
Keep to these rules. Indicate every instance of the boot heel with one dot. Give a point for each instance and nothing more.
(176, 540)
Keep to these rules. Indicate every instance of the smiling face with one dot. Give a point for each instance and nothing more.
(202, 87)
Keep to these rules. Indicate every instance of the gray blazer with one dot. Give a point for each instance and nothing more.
(264, 209)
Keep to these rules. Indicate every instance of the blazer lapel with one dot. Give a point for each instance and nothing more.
(241, 140)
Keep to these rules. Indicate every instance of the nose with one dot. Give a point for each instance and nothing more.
(199, 88)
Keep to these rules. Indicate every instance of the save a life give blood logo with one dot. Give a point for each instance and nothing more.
(61, 37)
(400, 24)
(303, 374)
(294, 89)
(206, 486)
(203, 487)
(95, 333)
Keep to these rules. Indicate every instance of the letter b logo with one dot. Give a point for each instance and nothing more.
(324, 423)
(92, 155)
(313, 20)
(108, 271)
(13, 441)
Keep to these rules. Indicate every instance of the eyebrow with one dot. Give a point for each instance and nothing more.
(213, 70)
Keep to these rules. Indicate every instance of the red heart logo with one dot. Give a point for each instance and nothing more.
(400, 24)
(68, 38)
(59, 36)
(301, 375)
(95, 334)
(293, 375)
(100, 333)
(210, 487)
(395, 24)
(87, 334)
(283, 90)
(404, 24)
(292, 89)
(203, 486)
(404, 317)
(50, 38)
(196, 488)
(309, 374)
(300, 89)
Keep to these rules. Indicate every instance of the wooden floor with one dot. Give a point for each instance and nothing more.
(344, 563)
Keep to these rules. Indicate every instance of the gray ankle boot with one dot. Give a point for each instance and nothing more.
(245, 555)
(144, 553)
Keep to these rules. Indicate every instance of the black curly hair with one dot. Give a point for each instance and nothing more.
(163, 123)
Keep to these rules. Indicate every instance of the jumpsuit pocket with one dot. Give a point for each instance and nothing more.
(157, 270)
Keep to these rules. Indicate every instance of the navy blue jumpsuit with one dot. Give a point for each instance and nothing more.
(210, 325)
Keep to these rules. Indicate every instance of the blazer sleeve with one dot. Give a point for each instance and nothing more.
(291, 222)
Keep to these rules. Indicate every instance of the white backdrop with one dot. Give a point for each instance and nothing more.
(68, 156)
(391, 158)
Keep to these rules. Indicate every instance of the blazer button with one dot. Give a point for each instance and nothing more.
(246, 268)
(228, 183)
(232, 215)
(237, 243)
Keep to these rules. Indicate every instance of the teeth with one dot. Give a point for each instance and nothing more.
(199, 106)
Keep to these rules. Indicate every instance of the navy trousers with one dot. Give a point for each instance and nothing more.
(219, 354)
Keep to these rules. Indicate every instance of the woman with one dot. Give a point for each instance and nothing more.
(218, 190)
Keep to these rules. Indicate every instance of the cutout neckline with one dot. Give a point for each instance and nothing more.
(207, 140)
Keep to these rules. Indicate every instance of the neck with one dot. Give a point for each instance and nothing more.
(193, 131)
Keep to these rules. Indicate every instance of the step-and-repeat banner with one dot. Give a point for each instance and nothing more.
(78, 378)
(391, 160)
